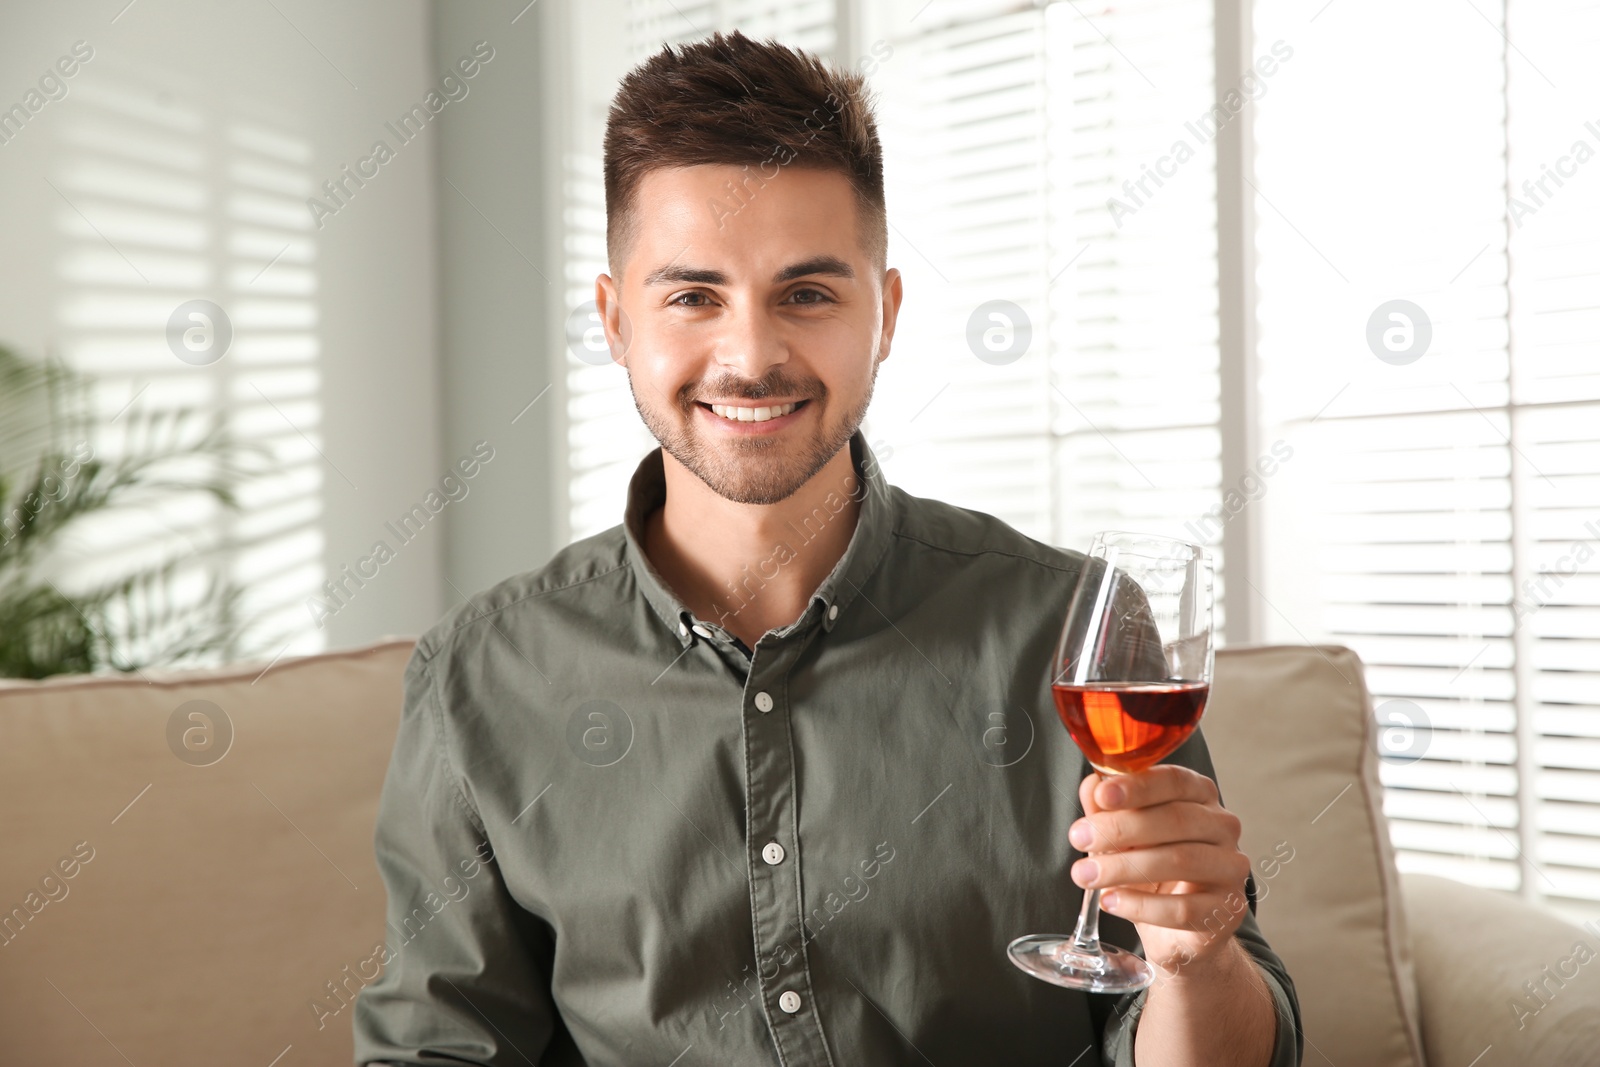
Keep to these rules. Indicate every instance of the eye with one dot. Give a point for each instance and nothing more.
(821, 297)
(678, 300)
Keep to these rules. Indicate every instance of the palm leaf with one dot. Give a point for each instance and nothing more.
(52, 483)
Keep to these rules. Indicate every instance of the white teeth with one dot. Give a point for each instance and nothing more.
(743, 414)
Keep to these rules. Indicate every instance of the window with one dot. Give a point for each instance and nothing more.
(1445, 505)
(1008, 130)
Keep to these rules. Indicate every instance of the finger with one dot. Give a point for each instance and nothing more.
(1207, 866)
(1158, 785)
(1206, 913)
(1163, 824)
(1086, 791)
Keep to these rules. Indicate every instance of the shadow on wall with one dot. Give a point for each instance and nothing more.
(187, 277)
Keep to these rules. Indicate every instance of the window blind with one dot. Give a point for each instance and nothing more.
(1009, 132)
(1449, 443)
(1555, 391)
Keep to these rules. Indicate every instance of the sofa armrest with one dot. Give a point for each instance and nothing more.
(1495, 971)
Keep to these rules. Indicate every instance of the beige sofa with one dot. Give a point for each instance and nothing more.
(187, 874)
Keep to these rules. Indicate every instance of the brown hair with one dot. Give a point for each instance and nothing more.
(729, 99)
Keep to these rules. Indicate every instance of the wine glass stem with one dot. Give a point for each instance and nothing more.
(1086, 936)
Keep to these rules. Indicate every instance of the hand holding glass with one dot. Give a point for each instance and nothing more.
(1130, 678)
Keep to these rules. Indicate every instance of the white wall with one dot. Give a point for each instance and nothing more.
(127, 197)
(500, 282)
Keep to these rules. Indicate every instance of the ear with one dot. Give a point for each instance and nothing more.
(618, 330)
(893, 293)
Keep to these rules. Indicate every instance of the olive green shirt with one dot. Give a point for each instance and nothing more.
(612, 834)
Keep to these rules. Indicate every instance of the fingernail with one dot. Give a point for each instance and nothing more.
(1085, 871)
(1108, 901)
(1113, 794)
(1081, 834)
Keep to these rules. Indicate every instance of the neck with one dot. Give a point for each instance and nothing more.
(751, 568)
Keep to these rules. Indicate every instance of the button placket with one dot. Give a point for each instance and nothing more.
(770, 791)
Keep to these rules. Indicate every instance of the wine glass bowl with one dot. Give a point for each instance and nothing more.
(1130, 680)
(1122, 729)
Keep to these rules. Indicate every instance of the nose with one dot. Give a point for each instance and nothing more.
(750, 343)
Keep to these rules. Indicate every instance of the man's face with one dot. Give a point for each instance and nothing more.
(751, 327)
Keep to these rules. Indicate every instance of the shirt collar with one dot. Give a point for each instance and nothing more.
(647, 490)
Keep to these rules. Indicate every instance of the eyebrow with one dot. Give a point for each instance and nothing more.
(673, 275)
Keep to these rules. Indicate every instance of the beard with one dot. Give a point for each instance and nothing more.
(749, 469)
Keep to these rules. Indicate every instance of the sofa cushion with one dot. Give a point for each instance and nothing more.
(1497, 972)
(1292, 736)
(179, 897)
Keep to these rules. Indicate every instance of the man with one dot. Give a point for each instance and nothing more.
(711, 787)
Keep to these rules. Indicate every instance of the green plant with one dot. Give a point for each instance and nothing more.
(52, 483)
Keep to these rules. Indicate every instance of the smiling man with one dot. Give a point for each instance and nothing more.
(714, 786)
(751, 347)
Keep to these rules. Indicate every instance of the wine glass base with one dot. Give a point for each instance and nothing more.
(1053, 958)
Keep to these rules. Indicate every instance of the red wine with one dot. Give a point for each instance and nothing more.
(1128, 726)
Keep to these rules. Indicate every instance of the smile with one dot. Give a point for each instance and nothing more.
(732, 413)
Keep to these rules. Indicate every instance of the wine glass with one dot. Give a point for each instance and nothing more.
(1130, 679)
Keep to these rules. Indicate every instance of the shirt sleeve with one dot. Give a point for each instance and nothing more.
(466, 975)
(1121, 1015)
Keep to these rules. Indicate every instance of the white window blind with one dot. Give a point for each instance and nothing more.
(1444, 517)
(962, 119)
(1555, 331)
(1008, 129)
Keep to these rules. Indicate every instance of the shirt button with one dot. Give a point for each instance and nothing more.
(764, 700)
(701, 630)
(790, 1001)
(772, 853)
(833, 611)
